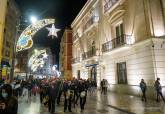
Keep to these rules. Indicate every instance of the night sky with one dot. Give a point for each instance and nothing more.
(64, 12)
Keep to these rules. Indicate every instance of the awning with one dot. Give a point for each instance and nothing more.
(5, 63)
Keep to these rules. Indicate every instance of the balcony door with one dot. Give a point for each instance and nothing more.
(119, 34)
(93, 73)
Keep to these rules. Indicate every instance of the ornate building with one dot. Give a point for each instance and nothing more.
(122, 41)
(8, 20)
(66, 54)
(86, 42)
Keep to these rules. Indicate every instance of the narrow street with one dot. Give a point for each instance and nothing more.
(98, 104)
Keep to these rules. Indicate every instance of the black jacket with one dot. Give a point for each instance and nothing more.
(11, 106)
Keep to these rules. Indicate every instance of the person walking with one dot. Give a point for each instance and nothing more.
(76, 93)
(105, 86)
(68, 95)
(8, 103)
(83, 94)
(143, 88)
(60, 84)
(52, 97)
(158, 89)
(101, 86)
(25, 93)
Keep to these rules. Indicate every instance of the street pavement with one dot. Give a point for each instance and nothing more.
(97, 103)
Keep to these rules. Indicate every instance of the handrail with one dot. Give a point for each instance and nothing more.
(90, 22)
(89, 54)
(116, 42)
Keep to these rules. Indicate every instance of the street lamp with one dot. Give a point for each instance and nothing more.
(33, 19)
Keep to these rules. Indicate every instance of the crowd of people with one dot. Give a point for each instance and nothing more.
(56, 91)
(52, 92)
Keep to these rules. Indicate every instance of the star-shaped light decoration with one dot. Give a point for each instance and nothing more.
(45, 56)
(52, 31)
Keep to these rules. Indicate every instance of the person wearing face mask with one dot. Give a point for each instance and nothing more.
(8, 103)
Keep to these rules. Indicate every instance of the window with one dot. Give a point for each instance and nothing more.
(7, 53)
(8, 44)
(119, 30)
(121, 73)
(119, 34)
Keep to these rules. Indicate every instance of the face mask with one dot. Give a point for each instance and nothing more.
(4, 95)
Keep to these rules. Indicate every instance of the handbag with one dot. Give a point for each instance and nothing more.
(45, 100)
(82, 94)
(68, 94)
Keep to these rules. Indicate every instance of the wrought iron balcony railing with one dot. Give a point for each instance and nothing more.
(75, 37)
(109, 4)
(76, 60)
(117, 42)
(89, 54)
(90, 22)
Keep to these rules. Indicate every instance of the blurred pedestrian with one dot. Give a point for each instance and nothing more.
(25, 94)
(158, 89)
(68, 95)
(8, 103)
(143, 88)
(83, 94)
(52, 97)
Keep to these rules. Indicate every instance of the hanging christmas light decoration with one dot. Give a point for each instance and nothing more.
(25, 40)
(52, 31)
(37, 59)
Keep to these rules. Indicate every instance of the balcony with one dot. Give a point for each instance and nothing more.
(117, 42)
(76, 60)
(75, 37)
(89, 54)
(108, 5)
(90, 22)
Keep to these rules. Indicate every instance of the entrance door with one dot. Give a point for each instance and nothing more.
(121, 72)
(93, 73)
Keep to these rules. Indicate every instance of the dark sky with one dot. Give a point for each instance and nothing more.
(64, 12)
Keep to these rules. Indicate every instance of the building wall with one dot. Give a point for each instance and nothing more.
(86, 31)
(142, 20)
(142, 51)
(66, 54)
(8, 21)
(3, 5)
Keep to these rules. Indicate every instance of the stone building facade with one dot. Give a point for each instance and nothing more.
(122, 41)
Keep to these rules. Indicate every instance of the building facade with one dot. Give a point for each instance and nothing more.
(86, 45)
(8, 20)
(128, 37)
(66, 54)
(21, 66)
